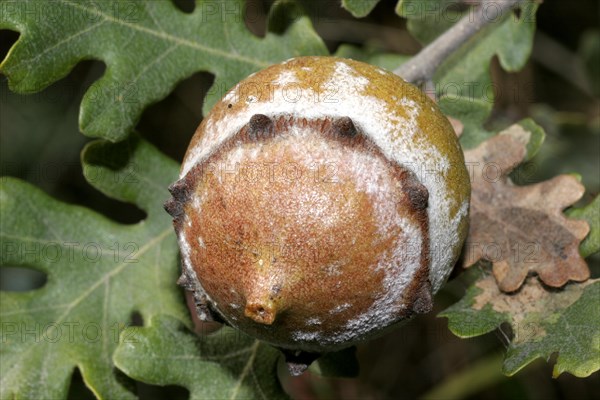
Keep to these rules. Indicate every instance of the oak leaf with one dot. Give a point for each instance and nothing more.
(536, 322)
(521, 229)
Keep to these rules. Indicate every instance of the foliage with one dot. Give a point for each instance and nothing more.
(591, 214)
(542, 322)
(168, 45)
(521, 229)
(101, 274)
(111, 271)
(227, 364)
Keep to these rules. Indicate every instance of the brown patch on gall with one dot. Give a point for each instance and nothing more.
(344, 127)
(260, 126)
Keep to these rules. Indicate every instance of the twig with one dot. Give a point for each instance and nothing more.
(421, 67)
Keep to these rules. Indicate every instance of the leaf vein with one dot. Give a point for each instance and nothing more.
(245, 371)
(170, 38)
(69, 38)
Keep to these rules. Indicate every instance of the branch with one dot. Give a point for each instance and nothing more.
(422, 66)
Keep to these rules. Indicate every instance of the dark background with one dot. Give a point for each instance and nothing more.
(40, 142)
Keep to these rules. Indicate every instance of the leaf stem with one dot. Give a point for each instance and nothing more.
(422, 66)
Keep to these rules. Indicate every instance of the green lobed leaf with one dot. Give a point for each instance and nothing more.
(543, 322)
(99, 273)
(359, 8)
(464, 78)
(590, 213)
(148, 47)
(223, 365)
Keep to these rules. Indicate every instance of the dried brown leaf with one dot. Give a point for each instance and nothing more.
(521, 229)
